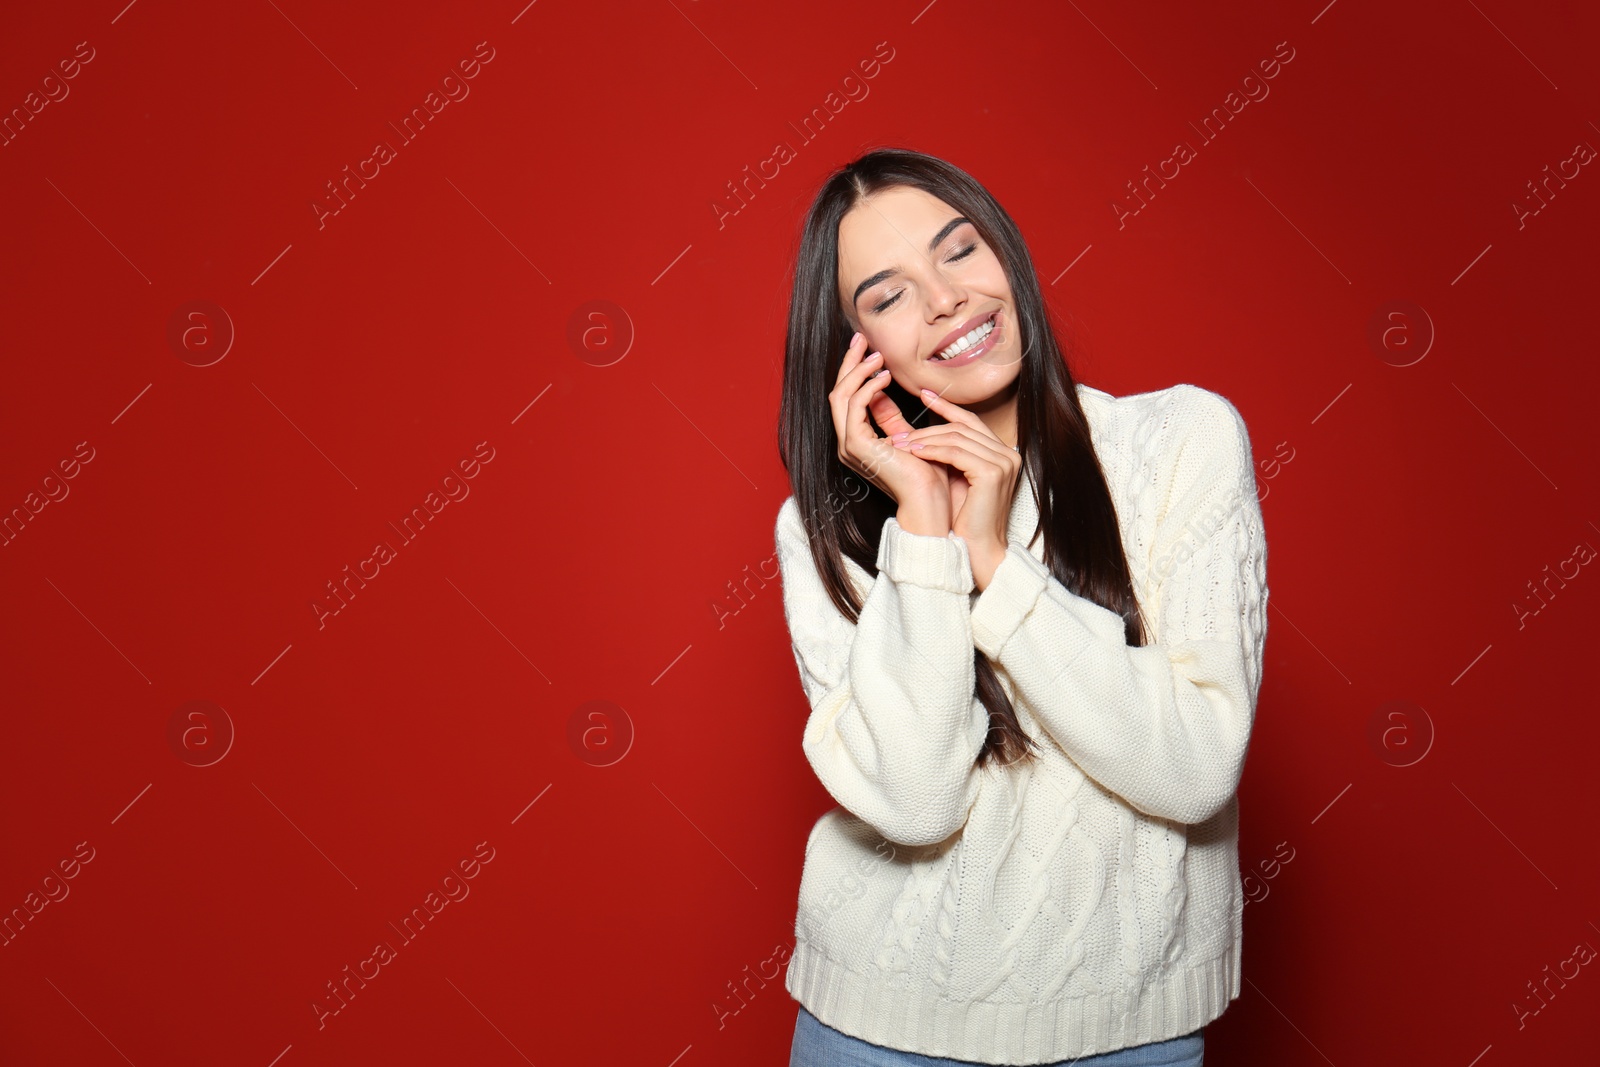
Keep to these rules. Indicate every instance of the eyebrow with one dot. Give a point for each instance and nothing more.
(944, 232)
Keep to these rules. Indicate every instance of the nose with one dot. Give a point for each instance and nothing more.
(944, 298)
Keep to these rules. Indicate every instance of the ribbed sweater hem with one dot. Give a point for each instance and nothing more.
(914, 1019)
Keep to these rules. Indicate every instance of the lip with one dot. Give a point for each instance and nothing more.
(977, 350)
(961, 331)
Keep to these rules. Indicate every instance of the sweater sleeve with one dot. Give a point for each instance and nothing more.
(895, 726)
(1166, 725)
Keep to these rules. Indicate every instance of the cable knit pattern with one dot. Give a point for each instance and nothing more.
(919, 897)
(1086, 901)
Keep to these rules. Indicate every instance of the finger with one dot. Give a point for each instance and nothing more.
(854, 356)
(979, 436)
(869, 391)
(861, 442)
(989, 447)
(954, 412)
(852, 374)
(853, 371)
(967, 462)
(888, 415)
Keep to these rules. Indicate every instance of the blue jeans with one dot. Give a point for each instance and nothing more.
(816, 1044)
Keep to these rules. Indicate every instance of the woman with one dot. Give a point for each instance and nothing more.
(1028, 617)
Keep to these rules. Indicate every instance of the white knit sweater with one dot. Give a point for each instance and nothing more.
(1090, 901)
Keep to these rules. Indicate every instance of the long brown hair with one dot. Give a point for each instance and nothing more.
(844, 514)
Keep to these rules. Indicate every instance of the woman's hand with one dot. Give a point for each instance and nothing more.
(982, 479)
(919, 486)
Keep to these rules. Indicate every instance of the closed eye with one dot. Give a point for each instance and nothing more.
(892, 300)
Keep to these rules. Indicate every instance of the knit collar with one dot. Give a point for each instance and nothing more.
(1024, 512)
(1024, 515)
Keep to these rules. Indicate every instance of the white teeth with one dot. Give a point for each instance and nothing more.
(968, 341)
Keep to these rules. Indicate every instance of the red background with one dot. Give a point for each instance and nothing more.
(599, 552)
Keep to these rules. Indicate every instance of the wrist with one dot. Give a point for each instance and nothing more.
(925, 522)
(986, 559)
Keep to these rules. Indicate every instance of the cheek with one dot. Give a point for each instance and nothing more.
(903, 367)
(889, 341)
(901, 351)
(995, 278)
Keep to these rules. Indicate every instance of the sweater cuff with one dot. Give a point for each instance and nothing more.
(1017, 584)
(925, 560)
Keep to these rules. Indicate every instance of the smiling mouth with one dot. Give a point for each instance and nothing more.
(967, 342)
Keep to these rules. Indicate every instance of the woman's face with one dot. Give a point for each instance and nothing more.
(915, 277)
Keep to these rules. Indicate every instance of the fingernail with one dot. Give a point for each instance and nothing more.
(855, 337)
(930, 394)
(902, 436)
(872, 356)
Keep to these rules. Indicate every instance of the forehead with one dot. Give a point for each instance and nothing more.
(888, 228)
